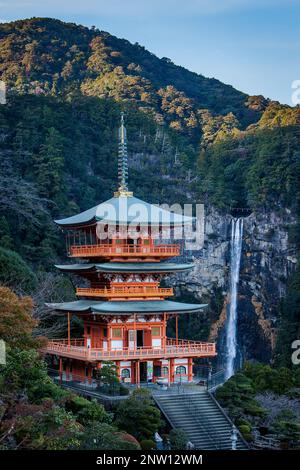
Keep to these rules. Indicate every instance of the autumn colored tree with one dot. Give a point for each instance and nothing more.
(16, 321)
(107, 437)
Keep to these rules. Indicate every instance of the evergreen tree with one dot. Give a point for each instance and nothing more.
(49, 164)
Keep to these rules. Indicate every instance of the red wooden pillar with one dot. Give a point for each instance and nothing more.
(137, 374)
(171, 370)
(108, 337)
(123, 336)
(134, 334)
(190, 369)
(118, 370)
(164, 331)
(132, 367)
(176, 324)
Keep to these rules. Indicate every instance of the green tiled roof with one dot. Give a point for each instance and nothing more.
(126, 307)
(126, 267)
(125, 210)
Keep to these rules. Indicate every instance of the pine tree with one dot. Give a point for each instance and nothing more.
(49, 165)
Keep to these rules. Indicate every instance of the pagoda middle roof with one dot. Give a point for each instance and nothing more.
(125, 210)
(139, 307)
(114, 267)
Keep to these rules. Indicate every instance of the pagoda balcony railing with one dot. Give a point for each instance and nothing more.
(105, 250)
(76, 342)
(172, 349)
(125, 291)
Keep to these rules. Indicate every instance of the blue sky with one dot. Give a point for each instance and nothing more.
(253, 45)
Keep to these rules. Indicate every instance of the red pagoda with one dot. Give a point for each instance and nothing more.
(123, 308)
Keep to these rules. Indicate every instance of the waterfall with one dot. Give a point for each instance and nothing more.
(231, 326)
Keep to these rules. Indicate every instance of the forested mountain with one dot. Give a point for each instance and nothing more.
(49, 56)
(66, 85)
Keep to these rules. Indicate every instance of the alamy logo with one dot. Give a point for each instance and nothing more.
(2, 352)
(2, 92)
(296, 94)
(135, 219)
(296, 353)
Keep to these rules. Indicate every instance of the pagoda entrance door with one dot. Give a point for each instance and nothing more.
(96, 337)
(140, 338)
(143, 371)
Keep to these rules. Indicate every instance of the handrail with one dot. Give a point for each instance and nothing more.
(266, 442)
(126, 249)
(200, 422)
(121, 291)
(228, 418)
(64, 341)
(97, 352)
(78, 350)
(207, 426)
(216, 380)
(190, 410)
(184, 342)
(169, 342)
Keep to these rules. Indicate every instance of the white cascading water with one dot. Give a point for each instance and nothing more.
(231, 327)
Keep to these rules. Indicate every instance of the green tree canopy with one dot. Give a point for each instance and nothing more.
(138, 415)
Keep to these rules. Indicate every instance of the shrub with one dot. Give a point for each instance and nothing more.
(178, 439)
(148, 444)
(246, 432)
(15, 273)
(138, 415)
(87, 411)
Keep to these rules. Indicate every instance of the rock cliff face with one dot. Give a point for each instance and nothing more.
(267, 260)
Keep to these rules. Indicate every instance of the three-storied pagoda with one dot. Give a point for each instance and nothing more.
(124, 309)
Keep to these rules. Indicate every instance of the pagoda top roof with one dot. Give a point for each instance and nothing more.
(114, 267)
(138, 307)
(124, 210)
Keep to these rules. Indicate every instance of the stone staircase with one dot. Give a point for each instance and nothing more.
(201, 417)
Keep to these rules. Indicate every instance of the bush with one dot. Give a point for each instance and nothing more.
(178, 439)
(246, 432)
(264, 377)
(148, 444)
(87, 411)
(237, 394)
(15, 273)
(241, 422)
(104, 436)
(138, 415)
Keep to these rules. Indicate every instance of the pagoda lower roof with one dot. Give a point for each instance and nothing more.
(125, 267)
(126, 307)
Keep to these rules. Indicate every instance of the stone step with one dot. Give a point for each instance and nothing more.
(185, 411)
